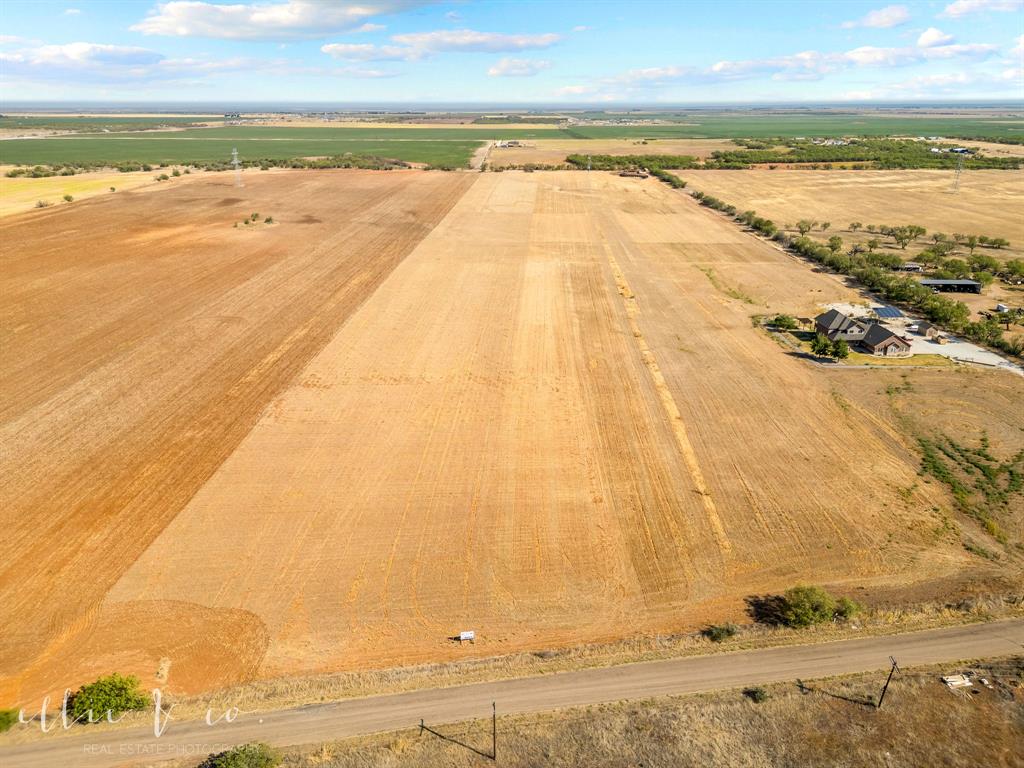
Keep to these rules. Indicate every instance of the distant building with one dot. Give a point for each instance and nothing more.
(911, 266)
(835, 325)
(960, 286)
(880, 341)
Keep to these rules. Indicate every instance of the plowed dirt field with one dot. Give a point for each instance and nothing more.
(532, 405)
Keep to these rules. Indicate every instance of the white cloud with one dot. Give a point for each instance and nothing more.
(72, 12)
(932, 37)
(369, 52)
(115, 66)
(471, 40)
(1018, 49)
(263, 21)
(368, 27)
(418, 45)
(803, 66)
(518, 67)
(9, 39)
(966, 7)
(581, 28)
(453, 16)
(883, 18)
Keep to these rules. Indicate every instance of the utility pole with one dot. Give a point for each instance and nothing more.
(894, 670)
(494, 731)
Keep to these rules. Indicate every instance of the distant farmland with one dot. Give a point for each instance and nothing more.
(758, 126)
(206, 146)
(454, 145)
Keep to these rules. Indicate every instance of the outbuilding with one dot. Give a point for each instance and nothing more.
(960, 286)
(928, 330)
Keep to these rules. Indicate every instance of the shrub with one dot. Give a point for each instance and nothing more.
(68, 198)
(244, 756)
(757, 694)
(8, 717)
(113, 189)
(112, 694)
(807, 605)
(717, 633)
(821, 346)
(162, 177)
(787, 322)
(268, 220)
(846, 608)
(175, 172)
(42, 204)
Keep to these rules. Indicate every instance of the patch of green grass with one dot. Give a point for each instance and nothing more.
(981, 484)
(727, 290)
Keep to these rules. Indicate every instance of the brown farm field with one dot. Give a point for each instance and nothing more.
(554, 151)
(987, 203)
(533, 405)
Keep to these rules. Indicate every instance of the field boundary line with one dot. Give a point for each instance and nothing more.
(669, 405)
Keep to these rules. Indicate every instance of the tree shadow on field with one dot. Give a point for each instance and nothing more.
(766, 609)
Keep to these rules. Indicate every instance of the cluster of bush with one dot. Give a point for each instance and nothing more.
(858, 154)
(873, 153)
(629, 162)
(244, 756)
(714, 203)
(823, 347)
(765, 226)
(798, 607)
(669, 178)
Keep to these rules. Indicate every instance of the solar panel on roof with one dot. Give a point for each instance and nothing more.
(888, 312)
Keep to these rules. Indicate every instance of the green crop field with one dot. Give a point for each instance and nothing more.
(376, 134)
(185, 147)
(93, 123)
(789, 126)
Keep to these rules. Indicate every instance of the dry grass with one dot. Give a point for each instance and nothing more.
(828, 722)
(554, 151)
(21, 194)
(284, 693)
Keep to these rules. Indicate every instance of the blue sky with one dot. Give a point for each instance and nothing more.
(558, 52)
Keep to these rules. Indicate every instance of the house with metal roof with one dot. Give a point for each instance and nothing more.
(835, 325)
(880, 341)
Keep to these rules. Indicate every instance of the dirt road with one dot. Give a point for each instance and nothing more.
(355, 717)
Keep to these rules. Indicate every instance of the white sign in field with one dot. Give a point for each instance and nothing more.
(464, 636)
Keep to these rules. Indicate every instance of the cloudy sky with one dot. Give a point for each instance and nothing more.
(540, 51)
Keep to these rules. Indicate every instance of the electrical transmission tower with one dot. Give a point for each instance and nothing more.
(959, 170)
(238, 166)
